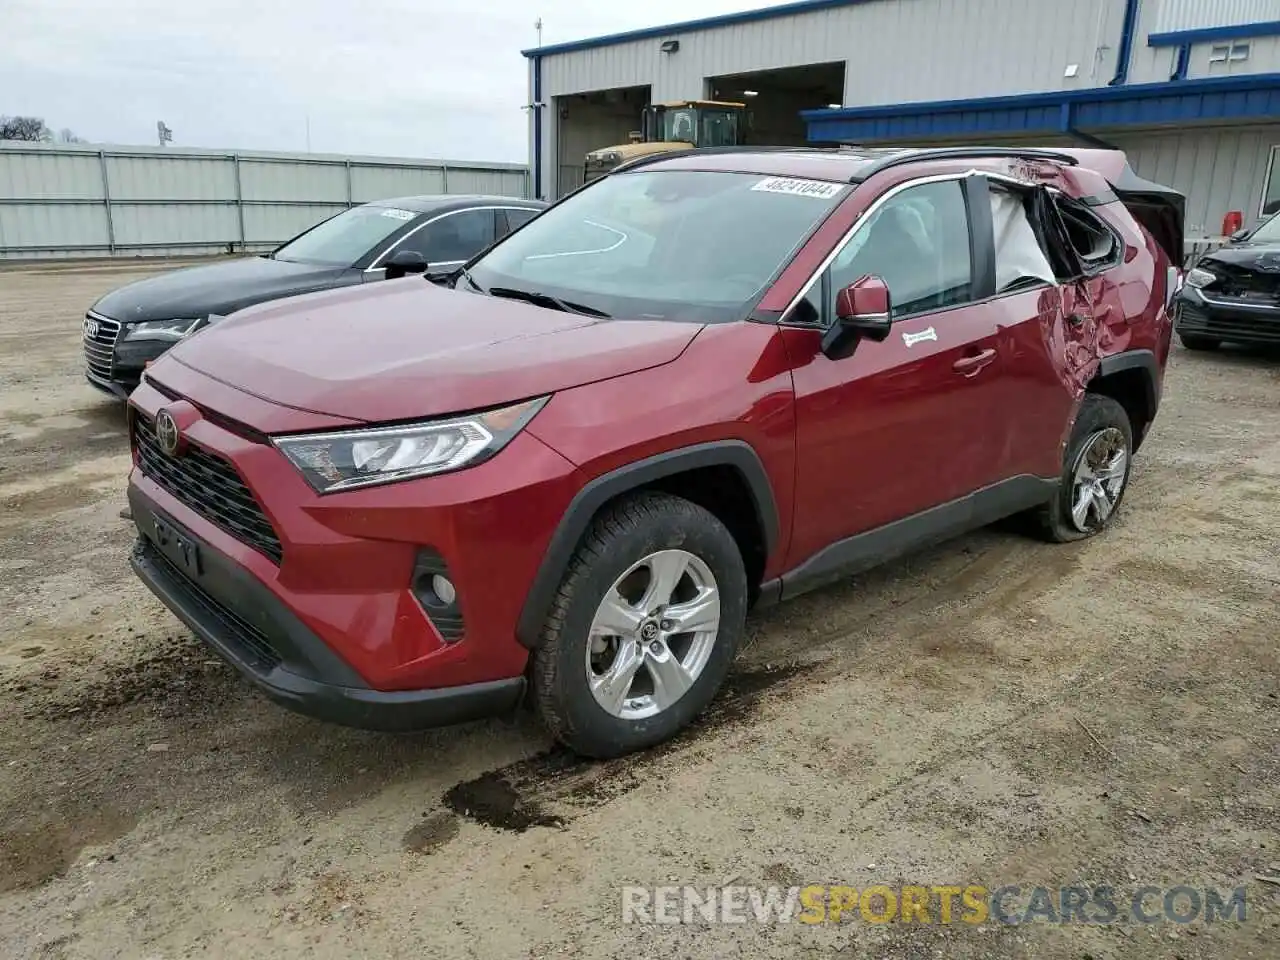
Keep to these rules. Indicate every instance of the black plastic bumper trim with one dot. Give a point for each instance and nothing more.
(329, 689)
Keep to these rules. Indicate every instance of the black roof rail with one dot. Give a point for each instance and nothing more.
(713, 151)
(909, 155)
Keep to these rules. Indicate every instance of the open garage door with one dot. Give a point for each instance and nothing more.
(589, 121)
(776, 97)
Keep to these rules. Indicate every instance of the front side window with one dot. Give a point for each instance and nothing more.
(454, 237)
(917, 242)
(344, 239)
(664, 244)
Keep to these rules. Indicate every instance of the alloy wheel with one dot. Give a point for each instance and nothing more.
(652, 634)
(1098, 479)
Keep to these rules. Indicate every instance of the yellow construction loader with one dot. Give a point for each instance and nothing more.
(682, 125)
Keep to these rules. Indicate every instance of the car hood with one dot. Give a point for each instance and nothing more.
(1259, 257)
(408, 349)
(214, 288)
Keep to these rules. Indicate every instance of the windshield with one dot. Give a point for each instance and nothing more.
(673, 244)
(1269, 232)
(344, 239)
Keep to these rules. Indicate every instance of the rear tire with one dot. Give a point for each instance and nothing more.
(614, 673)
(1192, 342)
(1095, 475)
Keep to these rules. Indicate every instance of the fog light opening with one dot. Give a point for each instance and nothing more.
(437, 594)
(444, 589)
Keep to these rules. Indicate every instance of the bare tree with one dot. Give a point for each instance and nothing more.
(66, 135)
(24, 128)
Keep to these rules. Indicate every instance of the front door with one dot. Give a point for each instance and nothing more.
(913, 422)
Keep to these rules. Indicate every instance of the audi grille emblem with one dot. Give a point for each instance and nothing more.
(90, 327)
(167, 433)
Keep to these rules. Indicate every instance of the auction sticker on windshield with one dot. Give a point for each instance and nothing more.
(398, 214)
(800, 188)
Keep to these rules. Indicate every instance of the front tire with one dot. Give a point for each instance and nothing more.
(644, 627)
(1095, 474)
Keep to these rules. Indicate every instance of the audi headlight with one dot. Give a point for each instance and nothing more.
(1198, 277)
(161, 329)
(359, 458)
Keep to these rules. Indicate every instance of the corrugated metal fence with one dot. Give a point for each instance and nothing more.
(74, 201)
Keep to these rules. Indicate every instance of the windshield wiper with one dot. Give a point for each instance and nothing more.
(545, 300)
(462, 273)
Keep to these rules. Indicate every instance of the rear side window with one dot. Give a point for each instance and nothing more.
(918, 244)
(1093, 241)
(1020, 260)
(513, 217)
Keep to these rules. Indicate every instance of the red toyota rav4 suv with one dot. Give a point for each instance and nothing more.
(700, 383)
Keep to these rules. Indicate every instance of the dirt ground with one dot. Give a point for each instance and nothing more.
(994, 711)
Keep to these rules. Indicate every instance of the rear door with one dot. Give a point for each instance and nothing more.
(913, 422)
(1048, 329)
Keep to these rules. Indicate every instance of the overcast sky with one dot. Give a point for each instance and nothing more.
(420, 78)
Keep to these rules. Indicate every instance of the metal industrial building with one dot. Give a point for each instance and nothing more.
(1188, 88)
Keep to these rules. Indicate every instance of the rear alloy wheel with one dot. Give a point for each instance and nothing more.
(1096, 474)
(1192, 342)
(644, 628)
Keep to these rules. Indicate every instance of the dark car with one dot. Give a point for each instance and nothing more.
(133, 325)
(1234, 293)
(706, 381)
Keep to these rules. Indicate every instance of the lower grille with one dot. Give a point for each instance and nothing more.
(250, 643)
(210, 486)
(1224, 323)
(100, 335)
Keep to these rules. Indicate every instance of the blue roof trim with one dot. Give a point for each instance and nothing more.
(685, 26)
(1268, 28)
(1063, 111)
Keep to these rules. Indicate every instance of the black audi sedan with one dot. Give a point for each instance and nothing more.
(1233, 293)
(385, 239)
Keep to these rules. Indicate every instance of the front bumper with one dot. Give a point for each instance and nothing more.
(349, 567)
(245, 623)
(1237, 321)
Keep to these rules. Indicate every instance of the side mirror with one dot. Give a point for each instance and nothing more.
(1241, 235)
(863, 311)
(404, 262)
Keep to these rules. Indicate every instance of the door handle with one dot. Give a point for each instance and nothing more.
(971, 365)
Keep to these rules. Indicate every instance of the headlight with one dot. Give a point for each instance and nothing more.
(161, 329)
(1197, 277)
(360, 458)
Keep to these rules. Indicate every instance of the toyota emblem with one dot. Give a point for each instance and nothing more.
(167, 434)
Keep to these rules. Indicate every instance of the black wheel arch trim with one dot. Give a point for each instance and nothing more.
(1144, 360)
(583, 507)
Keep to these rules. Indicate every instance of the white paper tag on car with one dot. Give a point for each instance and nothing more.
(398, 214)
(800, 188)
